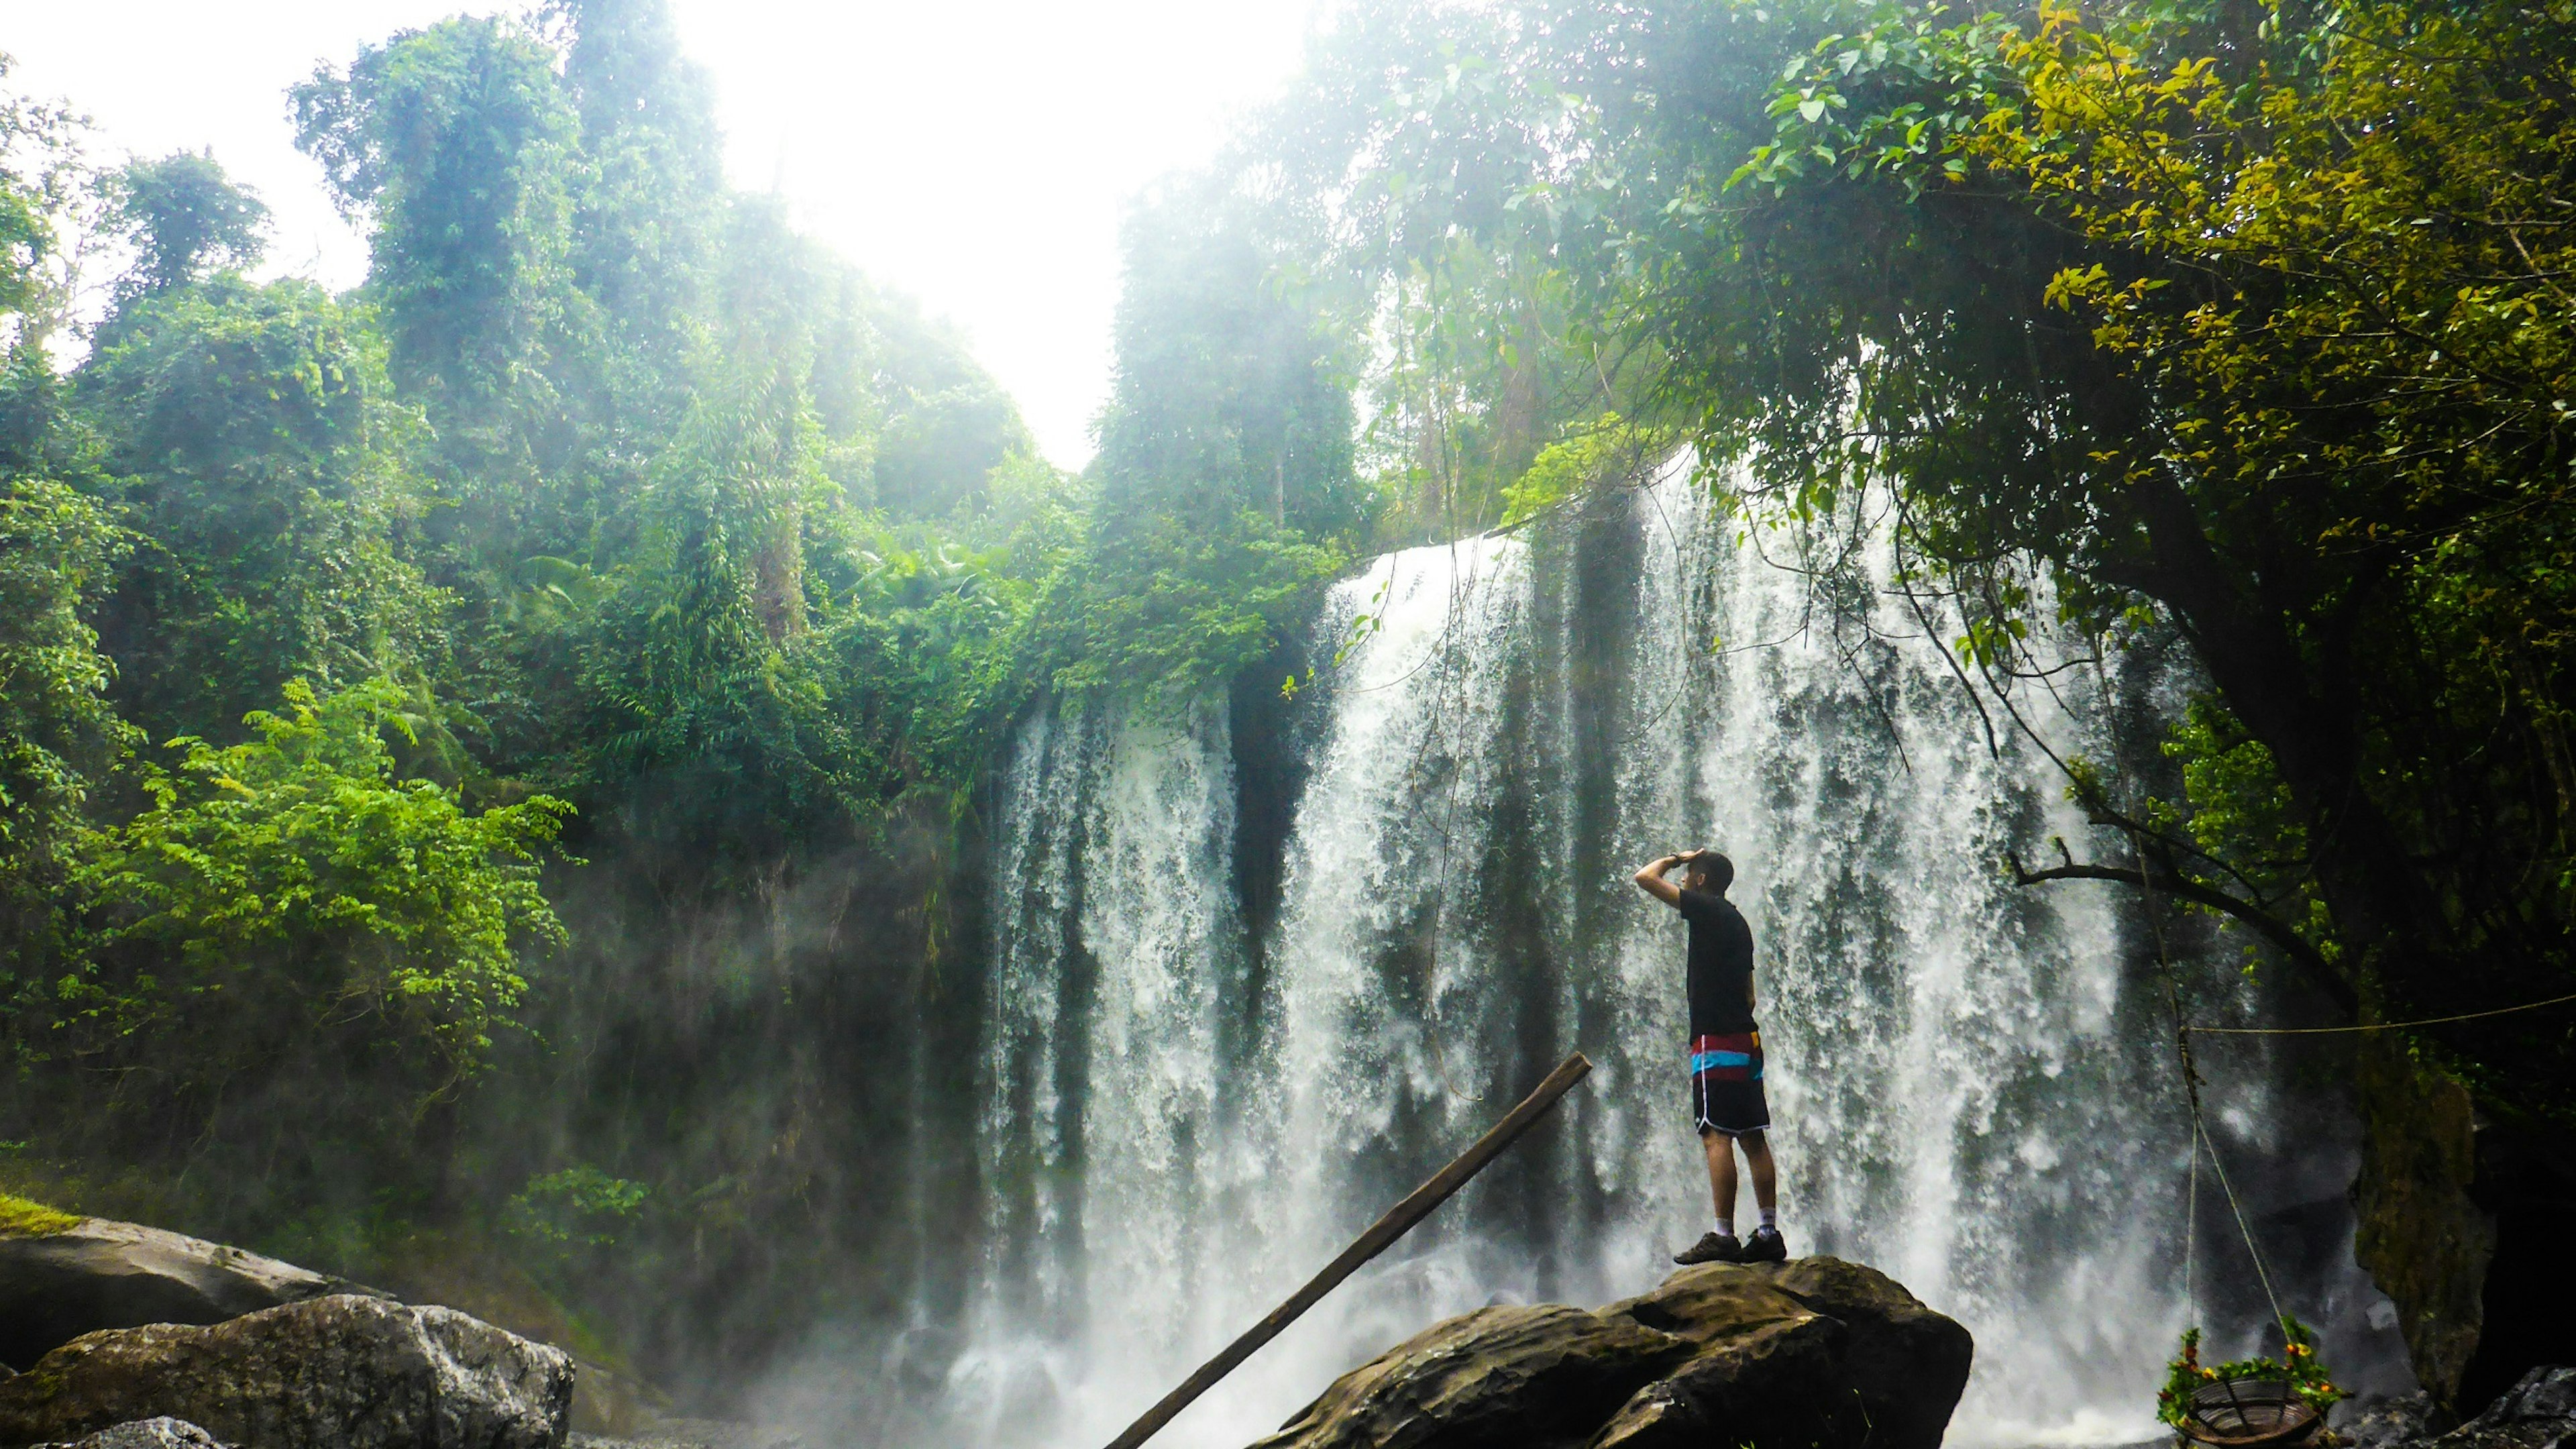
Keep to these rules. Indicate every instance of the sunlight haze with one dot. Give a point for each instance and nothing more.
(975, 155)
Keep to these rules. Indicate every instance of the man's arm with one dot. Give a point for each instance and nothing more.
(1650, 877)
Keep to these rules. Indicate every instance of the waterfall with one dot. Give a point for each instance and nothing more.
(1185, 1113)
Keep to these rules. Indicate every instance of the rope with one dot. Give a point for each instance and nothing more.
(2191, 1227)
(2234, 1207)
(2191, 1095)
(2376, 1025)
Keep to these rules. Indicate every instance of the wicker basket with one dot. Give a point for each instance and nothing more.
(2250, 1414)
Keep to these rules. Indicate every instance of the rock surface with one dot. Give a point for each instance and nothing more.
(1811, 1354)
(54, 1287)
(339, 1372)
(2382, 1423)
(2537, 1413)
(694, 1434)
(161, 1433)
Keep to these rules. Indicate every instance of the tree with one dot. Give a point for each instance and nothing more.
(647, 226)
(292, 947)
(1229, 394)
(457, 143)
(58, 735)
(267, 465)
(186, 222)
(1452, 248)
(933, 457)
(1226, 490)
(58, 551)
(2304, 407)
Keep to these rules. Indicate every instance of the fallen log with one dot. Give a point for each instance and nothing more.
(1381, 1235)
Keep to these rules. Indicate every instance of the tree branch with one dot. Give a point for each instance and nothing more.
(2270, 927)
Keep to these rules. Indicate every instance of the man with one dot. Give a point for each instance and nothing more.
(1725, 1053)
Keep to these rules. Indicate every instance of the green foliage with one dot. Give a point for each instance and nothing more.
(457, 142)
(578, 1207)
(185, 220)
(1608, 450)
(647, 212)
(57, 732)
(289, 897)
(58, 552)
(41, 182)
(266, 468)
(2298, 1366)
(1435, 189)
(2242, 818)
(1169, 612)
(1227, 494)
(933, 457)
(1484, 370)
(1898, 99)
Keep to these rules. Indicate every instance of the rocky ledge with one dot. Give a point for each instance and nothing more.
(1812, 1354)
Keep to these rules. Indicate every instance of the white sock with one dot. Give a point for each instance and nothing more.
(1726, 1227)
(1771, 1220)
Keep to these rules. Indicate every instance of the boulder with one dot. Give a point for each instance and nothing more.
(98, 1273)
(2537, 1413)
(161, 1433)
(1812, 1354)
(340, 1372)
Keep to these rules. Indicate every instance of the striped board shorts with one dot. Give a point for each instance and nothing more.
(1726, 1084)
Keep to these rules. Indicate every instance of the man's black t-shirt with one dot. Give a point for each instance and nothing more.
(1721, 965)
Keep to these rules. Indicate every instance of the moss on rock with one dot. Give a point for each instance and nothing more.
(20, 1218)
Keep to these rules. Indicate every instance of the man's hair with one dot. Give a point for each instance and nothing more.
(1713, 868)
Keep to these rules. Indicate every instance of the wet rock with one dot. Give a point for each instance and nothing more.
(2537, 1413)
(1545, 1371)
(161, 1433)
(694, 1434)
(1812, 1354)
(340, 1372)
(2382, 1423)
(54, 1287)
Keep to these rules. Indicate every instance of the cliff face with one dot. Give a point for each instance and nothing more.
(2417, 1231)
(2461, 1218)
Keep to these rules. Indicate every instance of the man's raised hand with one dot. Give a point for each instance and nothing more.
(1650, 878)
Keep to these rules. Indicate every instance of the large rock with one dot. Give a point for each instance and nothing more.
(2537, 1413)
(1812, 1354)
(161, 1433)
(342, 1372)
(54, 1287)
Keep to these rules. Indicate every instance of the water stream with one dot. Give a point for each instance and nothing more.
(1188, 1104)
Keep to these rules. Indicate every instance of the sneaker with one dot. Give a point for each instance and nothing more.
(1764, 1246)
(1713, 1247)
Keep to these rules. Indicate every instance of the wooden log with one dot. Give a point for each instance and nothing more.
(1382, 1234)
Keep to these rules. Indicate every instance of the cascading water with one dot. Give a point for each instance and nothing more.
(1972, 1082)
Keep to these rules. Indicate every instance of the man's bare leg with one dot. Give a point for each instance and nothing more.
(1720, 1151)
(1766, 1176)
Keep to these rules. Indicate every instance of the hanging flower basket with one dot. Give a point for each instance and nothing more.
(2250, 1413)
(2253, 1403)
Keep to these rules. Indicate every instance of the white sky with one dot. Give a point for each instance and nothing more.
(976, 153)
